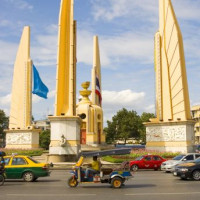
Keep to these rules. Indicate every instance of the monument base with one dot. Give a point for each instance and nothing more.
(65, 138)
(22, 138)
(170, 136)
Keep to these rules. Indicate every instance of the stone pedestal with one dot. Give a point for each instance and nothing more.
(22, 138)
(170, 136)
(65, 138)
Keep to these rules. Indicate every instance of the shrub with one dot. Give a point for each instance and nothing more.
(26, 152)
(136, 153)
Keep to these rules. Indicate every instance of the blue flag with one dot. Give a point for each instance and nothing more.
(39, 88)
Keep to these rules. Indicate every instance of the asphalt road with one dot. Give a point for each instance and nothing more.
(146, 185)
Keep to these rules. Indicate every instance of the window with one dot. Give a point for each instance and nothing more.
(197, 156)
(33, 160)
(156, 158)
(148, 158)
(189, 157)
(18, 161)
(6, 161)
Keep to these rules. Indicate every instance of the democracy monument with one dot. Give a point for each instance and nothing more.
(75, 126)
(173, 128)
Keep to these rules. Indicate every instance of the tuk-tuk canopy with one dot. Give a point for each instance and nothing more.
(121, 151)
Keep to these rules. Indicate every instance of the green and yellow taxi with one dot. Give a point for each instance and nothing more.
(24, 167)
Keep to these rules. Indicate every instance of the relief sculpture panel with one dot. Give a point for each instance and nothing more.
(18, 138)
(166, 133)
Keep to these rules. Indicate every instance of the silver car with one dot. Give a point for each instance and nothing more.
(169, 165)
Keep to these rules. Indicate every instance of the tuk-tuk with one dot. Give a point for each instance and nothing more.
(2, 168)
(116, 177)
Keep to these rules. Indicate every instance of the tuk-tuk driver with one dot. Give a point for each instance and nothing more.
(95, 169)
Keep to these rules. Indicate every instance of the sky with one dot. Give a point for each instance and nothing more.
(125, 29)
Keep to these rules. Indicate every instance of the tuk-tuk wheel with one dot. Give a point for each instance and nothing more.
(116, 182)
(72, 182)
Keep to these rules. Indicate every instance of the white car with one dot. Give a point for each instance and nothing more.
(169, 165)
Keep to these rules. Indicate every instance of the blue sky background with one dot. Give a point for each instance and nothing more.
(126, 31)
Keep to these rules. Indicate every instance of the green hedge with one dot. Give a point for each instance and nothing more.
(137, 153)
(26, 152)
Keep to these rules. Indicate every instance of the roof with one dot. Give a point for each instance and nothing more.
(120, 151)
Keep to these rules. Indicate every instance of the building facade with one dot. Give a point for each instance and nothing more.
(196, 116)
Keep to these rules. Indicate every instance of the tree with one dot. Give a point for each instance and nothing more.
(3, 125)
(125, 124)
(45, 139)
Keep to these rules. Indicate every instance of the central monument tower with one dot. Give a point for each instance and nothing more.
(173, 128)
(65, 125)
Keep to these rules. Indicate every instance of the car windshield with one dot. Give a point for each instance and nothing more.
(139, 158)
(35, 161)
(179, 157)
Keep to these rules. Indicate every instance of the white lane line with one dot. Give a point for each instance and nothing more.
(155, 194)
(49, 195)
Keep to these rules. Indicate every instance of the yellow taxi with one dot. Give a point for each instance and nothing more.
(25, 167)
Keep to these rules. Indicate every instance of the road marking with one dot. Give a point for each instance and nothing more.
(49, 195)
(176, 193)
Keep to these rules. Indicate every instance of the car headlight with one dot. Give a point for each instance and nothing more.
(184, 170)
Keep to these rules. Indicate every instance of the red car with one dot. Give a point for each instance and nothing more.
(146, 162)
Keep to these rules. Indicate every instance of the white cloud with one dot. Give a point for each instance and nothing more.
(4, 23)
(187, 9)
(113, 101)
(109, 10)
(5, 100)
(20, 4)
(122, 98)
(115, 48)
(8, 52)
(44, 51)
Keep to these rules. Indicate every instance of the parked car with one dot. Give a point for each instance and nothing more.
(146, 162)
(169, 165)
(188, 170)
(25, 167)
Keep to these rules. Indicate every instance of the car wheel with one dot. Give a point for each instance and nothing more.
(134, 168)
(196, 175)
(28, 176)
(116, 182)
(72, 181)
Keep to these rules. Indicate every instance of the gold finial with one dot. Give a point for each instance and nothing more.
(85, 92)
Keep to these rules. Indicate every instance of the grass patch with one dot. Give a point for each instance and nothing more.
(26, 152)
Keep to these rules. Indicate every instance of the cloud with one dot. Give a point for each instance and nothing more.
(8, 52)
(113, 101)
(5, 23)
(5, 100)
(187, 9)
(20, 4)
(109, 10)
(44, 50)
(122, 98)
(116, 49)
